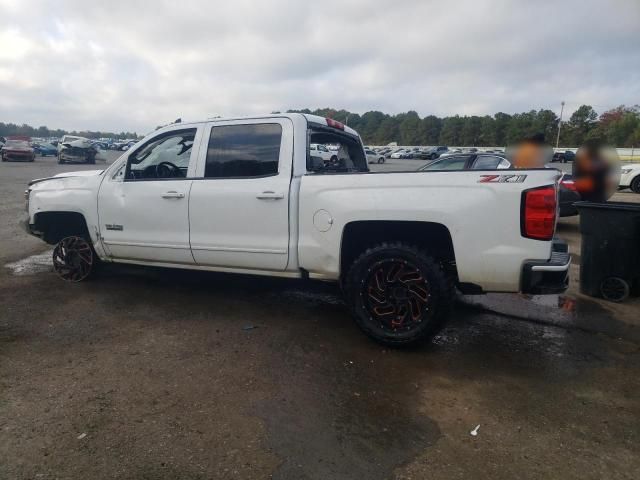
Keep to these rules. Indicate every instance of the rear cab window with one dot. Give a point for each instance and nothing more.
(347, 151)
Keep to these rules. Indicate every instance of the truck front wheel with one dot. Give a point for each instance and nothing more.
(74, 259)
(398, 294)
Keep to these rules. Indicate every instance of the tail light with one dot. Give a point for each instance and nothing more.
(539, 210)
(335, 124)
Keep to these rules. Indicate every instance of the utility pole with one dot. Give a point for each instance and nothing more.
(560, 124)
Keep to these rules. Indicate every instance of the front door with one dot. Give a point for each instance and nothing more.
(239, 209)
(143, 206)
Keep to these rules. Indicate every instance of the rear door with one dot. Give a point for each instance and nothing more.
(239, 205)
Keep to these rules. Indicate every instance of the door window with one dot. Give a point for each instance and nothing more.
(165, 156)
(241, 151)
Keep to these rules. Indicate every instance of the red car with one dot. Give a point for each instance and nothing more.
(17, 150)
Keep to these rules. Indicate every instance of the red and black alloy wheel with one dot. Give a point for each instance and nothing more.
(73, 259)
(398, 293)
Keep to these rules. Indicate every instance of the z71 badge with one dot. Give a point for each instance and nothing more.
(502, 178)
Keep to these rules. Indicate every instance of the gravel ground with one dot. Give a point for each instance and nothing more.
(156, 374)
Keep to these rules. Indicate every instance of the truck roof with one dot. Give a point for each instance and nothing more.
(327, 122)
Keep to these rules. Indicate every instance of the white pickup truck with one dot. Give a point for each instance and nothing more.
(245, 195)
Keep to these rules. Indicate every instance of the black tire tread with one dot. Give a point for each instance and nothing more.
(441, 280)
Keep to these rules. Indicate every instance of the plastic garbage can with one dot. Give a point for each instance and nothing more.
(610, 252)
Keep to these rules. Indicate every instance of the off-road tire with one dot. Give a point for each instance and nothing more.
(635, 184)
(433, 312)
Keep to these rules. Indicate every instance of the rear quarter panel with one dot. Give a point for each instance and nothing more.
(482, 218)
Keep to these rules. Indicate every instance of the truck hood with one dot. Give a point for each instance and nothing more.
(80, 173)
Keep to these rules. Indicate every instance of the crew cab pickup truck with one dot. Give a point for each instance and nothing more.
(246, 195)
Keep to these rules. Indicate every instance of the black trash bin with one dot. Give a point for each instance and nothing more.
(610, 253)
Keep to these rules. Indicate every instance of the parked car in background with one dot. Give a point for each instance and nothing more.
(17, 150)
(402, 153)
(319, 150)
(373, 157)
(630, 177)
(44, 149)
(567, 191)
(564, 157)
(433, 152)
(468, 161)
(101, 145)
(74, 149)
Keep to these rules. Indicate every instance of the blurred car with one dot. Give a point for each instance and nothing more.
(15, 150)
(74, 149)
(433, 152)
(44, 149)
(564, 157)
(101, 145)
(630, 177)
(567, 191)
(320, 150)
(402, 153)
(373, 157)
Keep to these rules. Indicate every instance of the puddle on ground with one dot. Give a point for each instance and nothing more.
(32, 265)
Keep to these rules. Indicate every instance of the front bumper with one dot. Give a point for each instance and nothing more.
(550, 276)
(10, 156)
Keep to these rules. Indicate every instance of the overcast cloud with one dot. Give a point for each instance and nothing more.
(131, 65)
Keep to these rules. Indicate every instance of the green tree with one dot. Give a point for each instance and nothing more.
(581, 122)
(409, 129)
(451, 133)
(430, 130)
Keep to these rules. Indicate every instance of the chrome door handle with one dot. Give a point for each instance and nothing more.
(172, 194)
(269, 195)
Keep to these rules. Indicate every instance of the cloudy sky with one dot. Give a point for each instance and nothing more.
(131, 65)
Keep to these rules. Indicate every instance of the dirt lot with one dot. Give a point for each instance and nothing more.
(147, 373)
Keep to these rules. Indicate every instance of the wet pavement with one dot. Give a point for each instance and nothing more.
(150, 373)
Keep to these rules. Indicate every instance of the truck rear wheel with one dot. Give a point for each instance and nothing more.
(398, 294)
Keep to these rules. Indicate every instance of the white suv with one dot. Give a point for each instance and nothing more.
(630, 177)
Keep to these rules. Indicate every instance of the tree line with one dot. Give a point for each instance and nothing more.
(619, 127)
(9, 129)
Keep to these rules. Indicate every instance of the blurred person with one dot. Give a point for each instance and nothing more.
(596, 171)
(530, 152)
